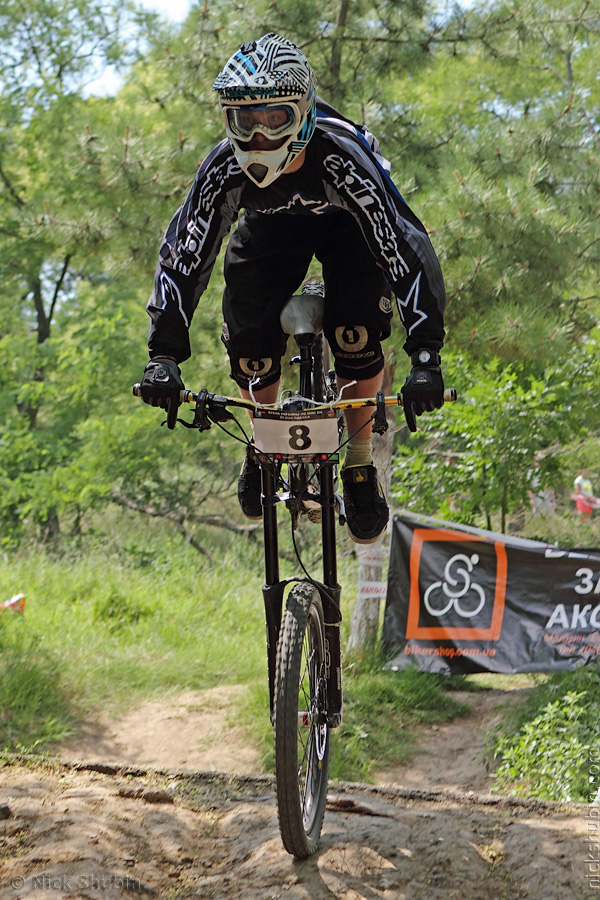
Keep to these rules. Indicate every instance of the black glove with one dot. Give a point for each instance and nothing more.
(161, 386)
(423, 390)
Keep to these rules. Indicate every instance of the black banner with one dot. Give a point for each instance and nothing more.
(462, 599)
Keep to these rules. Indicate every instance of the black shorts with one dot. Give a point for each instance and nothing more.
(267, 260)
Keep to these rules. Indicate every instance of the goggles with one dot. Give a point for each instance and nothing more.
(274, 121)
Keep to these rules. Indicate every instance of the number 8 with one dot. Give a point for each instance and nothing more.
(299, 437)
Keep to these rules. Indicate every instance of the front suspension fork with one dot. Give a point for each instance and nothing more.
(330, 592)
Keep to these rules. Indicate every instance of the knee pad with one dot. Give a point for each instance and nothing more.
(243, 370)
(263, 363)
(357, 351)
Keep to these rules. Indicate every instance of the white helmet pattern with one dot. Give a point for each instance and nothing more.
(263, 76)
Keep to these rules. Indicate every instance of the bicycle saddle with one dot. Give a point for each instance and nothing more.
(302, 317)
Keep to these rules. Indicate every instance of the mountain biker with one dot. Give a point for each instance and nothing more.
(311, 183)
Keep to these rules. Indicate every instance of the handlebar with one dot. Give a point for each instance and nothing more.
(222, 402)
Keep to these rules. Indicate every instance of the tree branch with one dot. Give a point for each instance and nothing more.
(178, 518)
(58, 287)
(7, 183)
(43, 323)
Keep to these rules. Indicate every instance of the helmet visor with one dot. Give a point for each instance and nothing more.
(274, 121)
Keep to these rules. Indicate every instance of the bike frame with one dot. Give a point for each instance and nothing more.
(216, 408)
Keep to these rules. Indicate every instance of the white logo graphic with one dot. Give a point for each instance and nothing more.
(253, 367)
(366, 195)
(171, 296)
(456, 585)
(352, 338)
(299, 201)
(412, 298)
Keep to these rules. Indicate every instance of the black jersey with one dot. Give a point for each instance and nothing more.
(344, 172)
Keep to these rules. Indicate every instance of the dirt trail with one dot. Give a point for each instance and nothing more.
(155, 818)
(454, 756)
(192, 731)
(76, 833)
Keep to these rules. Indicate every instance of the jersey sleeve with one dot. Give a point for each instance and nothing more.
(355, 181)
(189, 249)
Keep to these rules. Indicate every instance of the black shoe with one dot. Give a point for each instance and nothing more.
(366, 507)
(250, 486)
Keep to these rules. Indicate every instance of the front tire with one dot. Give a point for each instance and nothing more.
(302, 736)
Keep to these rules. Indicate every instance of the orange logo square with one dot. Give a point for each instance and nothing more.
(469, 633)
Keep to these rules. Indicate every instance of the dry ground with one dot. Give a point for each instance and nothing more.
(156, 819)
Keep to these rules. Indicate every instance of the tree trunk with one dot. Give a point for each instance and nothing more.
(335, 70)
(364, 622)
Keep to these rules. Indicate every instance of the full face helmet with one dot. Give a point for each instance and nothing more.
(267, 87)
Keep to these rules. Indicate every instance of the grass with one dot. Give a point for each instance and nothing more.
(35, 708)
(134, 619)
(381, 709)
(107, 629)
(141, 617)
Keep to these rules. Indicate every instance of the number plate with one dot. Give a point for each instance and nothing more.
(304, 434)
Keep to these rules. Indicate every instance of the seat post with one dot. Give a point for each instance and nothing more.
(306, 368)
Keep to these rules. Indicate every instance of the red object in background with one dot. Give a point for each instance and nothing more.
(15, 604)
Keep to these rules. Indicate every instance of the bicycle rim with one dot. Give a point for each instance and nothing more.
(302, 736)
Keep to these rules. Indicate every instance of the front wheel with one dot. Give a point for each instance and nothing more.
(302, 735)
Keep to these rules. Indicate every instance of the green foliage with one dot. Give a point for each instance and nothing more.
(36, 708)
(525, 177)
(476, 457)
(550, 754)
(116, 610)
(142, 615)
(380, 711)
(506, 183)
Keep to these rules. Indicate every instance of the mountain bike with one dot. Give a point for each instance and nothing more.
(297, 444)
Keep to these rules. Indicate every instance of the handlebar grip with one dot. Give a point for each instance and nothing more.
(185, 396)
(450, 396)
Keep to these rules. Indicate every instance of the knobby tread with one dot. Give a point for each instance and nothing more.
(295, 838)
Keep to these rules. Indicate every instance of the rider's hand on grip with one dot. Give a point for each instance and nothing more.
(423, 391)
(161, 386)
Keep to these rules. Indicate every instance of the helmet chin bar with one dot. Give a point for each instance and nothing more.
(268, 163)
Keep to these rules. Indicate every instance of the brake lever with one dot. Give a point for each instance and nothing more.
(201, 419)
(380, 422)
(172, 409)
